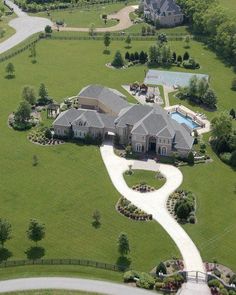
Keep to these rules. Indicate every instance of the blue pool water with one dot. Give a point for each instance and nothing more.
(182, 119)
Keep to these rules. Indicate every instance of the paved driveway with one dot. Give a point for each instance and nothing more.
(24, 25)
(155, 203)
(70, 284)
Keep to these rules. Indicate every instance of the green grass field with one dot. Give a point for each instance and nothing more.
(50, 292)
(230, 5)
(8, 31)
(70, 181)
(84, 17)
(142, 176)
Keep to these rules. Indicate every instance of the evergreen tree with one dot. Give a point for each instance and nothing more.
(179, 59)
(107, 39)
(186, 56)
(10, 69)
(132, 58)
(5, 231)
(136, 56)
(210, 99)
(142, 57)
(232, 113)
(128, 40)
(123, 244)
(127, 56)
(191, 158)
(118, 61)
(174, 57)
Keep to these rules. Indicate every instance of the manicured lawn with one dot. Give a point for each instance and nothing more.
(60, 271)
(50, 292)
(84, 17)
(230, 5)
(4, 25)
(70, 181)
(215, 232)
(142, 176)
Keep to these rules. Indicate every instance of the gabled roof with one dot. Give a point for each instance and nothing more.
(88, 118)
(132, 114)
(111, 98)
(67, 117)
(161, 7)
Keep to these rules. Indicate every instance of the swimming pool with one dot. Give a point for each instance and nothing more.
(182, 119)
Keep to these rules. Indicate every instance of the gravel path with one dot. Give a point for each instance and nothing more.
(122, 15)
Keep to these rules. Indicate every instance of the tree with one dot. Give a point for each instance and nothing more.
(202, 86)
(36, 231)
(28, 94)
(33, 53)
(48, 29)
(118, 61)
(107, 39)
(131, 57)
(5, 231)
(123, 244)
(174, 57)
(162, 38)
(136, 56)
(193, 86)
(187, 41)
(232, 113)
(96, 218)
(43, 95)
(210, 99)
(35, 160)
(22, 115)
(233, 159)
(48, 133)
(190, 158)
(127, 56)
(10, 69)
(128, 40)
(186, 55)
(221, 125)
(161, 268)
(179, 59)
(92, 30)
(142, 57)
(143, 31)
(233, 84)
(183, 210)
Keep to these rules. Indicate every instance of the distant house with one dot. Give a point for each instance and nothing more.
(164, 12)
(147, 129)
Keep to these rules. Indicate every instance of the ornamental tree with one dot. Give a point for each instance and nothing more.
(36, 231)
(123, 244)
(5, 231)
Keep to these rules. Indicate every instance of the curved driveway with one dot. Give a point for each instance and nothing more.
(122, 15)
(70, 284)
(24, 25)
(155, 202)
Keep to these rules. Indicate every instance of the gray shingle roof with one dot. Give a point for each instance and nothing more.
(90, 118)
(164, 6)
(112, 98)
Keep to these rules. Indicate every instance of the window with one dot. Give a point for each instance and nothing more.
(138, 147)
(163, 151)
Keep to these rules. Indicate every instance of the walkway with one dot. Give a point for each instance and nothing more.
(70, 284)
(122, 15)
(24, 25)
(155, 202)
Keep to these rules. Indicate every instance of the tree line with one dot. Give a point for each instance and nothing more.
(212, 20)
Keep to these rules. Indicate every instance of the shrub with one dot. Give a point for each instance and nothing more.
(233, 159)
(217, 273)
(161, 268)
(145, 281)
(190, 158)
(233, 85)
(233, 279)
(225, 157)
(130, 275)
(159, 285)
(214, 283)
(192, 220)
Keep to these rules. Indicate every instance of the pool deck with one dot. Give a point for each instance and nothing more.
(202, 120)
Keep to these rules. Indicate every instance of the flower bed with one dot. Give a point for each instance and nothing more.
(38, 136)
(182, 205)
(126, 208)
(143, 188)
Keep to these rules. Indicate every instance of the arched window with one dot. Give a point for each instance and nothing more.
(163, 151)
